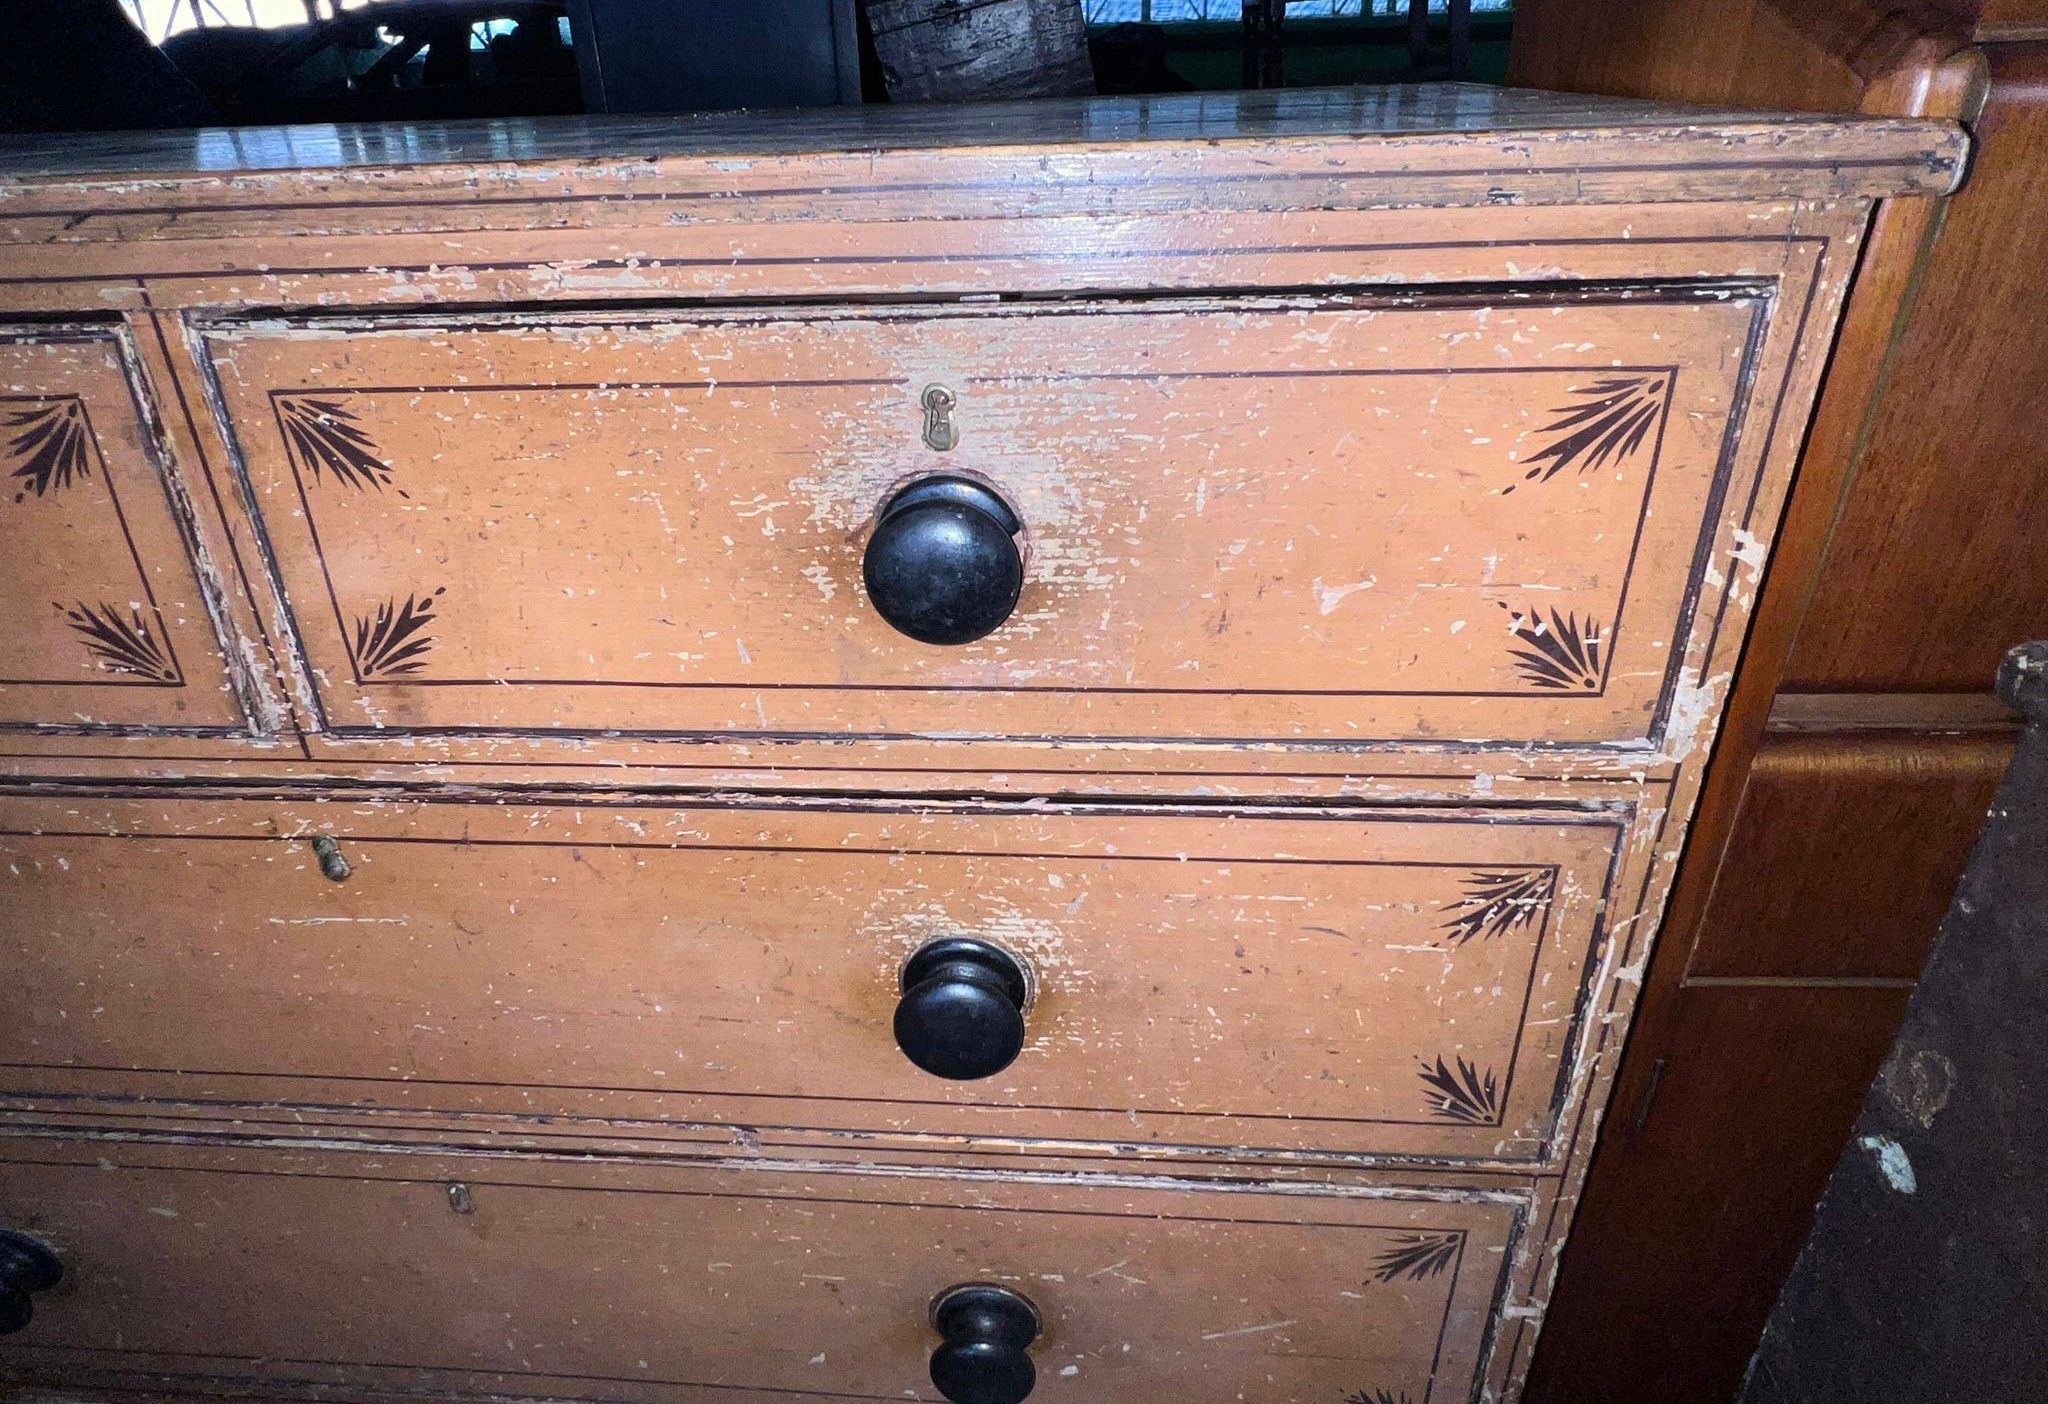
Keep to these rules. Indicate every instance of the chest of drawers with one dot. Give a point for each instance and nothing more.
(910, 755)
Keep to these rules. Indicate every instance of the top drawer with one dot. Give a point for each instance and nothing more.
(1428, 519)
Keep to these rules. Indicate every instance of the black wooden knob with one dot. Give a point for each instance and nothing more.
(987, 1331)
(943, 565)
(962, 1011)
(26, 1267)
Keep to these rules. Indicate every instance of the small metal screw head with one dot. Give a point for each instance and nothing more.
(333, 866)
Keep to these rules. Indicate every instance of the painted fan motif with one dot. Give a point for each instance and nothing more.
(328, 439)
(1562, 653)
(1464, 1095)
(1377, 1396)
(121, 643)
(390, 643)
(46, 444)
(1496, 903)
(1609, 422)
(1417, 1256)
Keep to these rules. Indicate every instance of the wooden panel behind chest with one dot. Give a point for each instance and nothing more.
(1481, 517)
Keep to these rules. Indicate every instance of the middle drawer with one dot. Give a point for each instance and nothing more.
(1398, 984)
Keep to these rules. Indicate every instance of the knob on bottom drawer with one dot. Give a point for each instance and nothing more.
(988, 1331)
(26, 1267)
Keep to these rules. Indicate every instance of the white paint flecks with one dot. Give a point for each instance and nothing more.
(1892, 1162)
(1328, 597)
(1750, 551)
(1695, 706)
(1247, 1330)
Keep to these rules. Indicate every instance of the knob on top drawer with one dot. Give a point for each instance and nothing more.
(1136, 520)
(943, 565)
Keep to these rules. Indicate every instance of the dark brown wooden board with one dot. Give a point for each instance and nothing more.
(1818, 835)
(1926, 1275)
(1719, 1140)
(1936, 566)
(1846, 853)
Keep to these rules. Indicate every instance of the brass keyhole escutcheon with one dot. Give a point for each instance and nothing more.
(941, 430)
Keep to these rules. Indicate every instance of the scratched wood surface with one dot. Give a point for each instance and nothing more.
(1364, 983)
(656, 524)
(473, 442)
(702, 1284)
(1722, 453)
(1883, 156)
(107, 622)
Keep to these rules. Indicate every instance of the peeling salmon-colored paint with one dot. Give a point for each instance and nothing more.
(463, 822)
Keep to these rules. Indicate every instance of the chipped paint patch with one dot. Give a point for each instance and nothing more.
(1892, 1163)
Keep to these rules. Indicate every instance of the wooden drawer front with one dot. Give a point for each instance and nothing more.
(1363, 983)
(107, 627)
(356, 1272)
(1482, 522)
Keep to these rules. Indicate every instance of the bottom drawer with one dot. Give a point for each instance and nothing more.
(350, 1275)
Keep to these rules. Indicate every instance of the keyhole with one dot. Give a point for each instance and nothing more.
(941, 431)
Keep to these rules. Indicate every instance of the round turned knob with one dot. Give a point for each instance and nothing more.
(26, 1267)
(943, 565)
(987, 1331)
(962, 1011)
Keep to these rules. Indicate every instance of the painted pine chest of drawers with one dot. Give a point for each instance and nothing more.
(924, 754)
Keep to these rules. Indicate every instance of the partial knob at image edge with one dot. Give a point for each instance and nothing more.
(985, 1358)
(26, 1268)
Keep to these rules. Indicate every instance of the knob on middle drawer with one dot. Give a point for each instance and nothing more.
(962, 1011)
(943, 564)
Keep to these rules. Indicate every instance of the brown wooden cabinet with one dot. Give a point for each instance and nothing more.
(480, 852)
(1851, 781)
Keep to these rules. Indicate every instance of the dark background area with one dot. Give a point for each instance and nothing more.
(97, 65)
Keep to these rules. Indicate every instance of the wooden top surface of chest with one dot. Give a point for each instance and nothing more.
(1420, 145)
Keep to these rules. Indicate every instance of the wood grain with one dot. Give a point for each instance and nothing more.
(2001, 15)
(1936, 568)
(656, 525)
(1818, 55)
(1373, 121)
(110, 625)
(1939, 713)
(566, 892)
(1610, 1291)
(1845, 854)
(1531, 254)
(1697, 1212)
(709, 1285)
(1390, 986)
